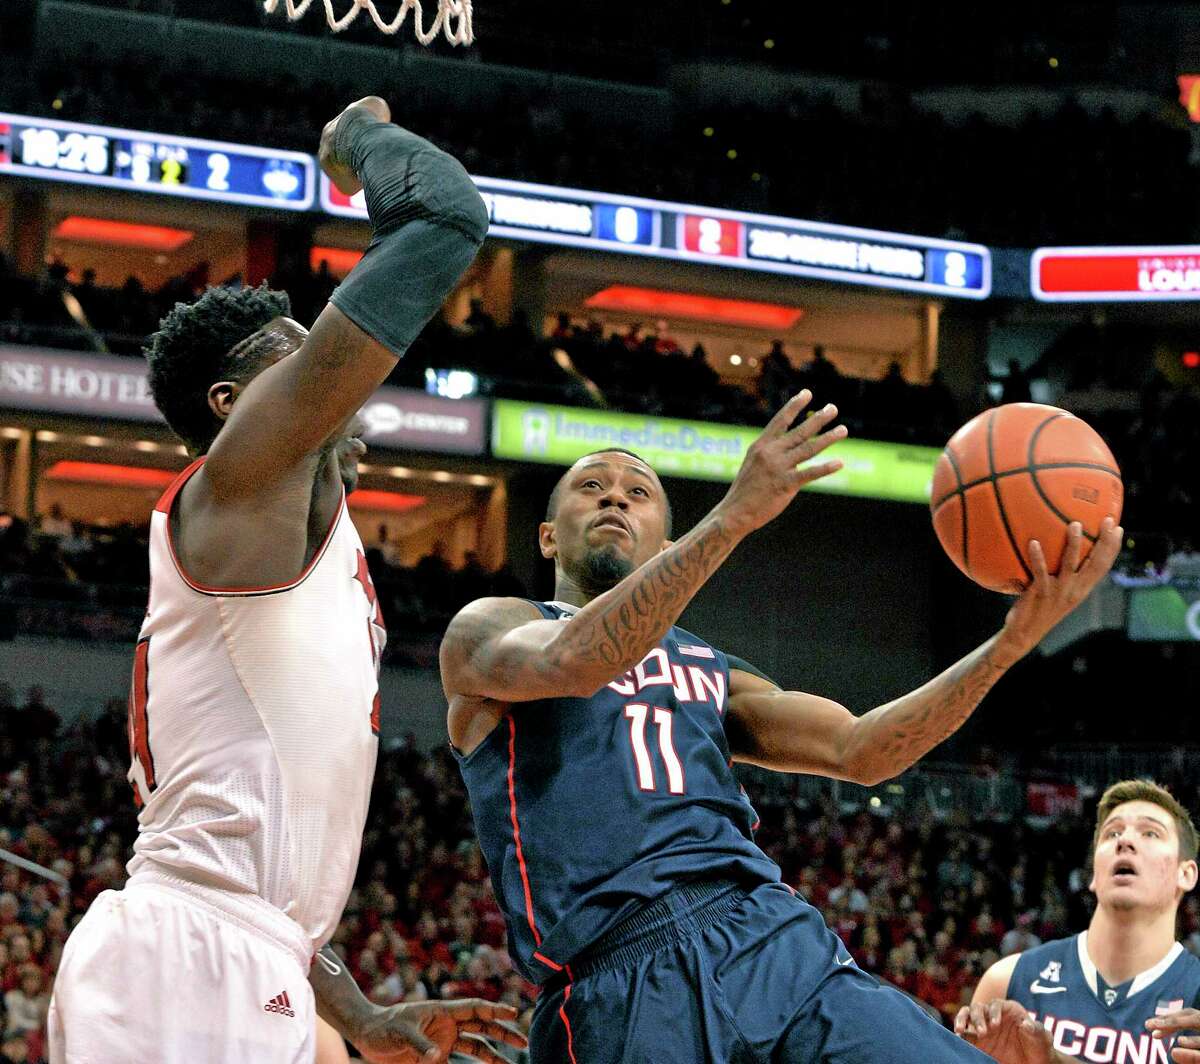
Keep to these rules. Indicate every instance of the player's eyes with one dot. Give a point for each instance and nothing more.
(642, 491)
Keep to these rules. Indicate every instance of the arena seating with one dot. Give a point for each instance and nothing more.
(926, 903)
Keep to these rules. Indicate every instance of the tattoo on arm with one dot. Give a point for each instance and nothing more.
(618, 628)
(898, 734)
(608, 636)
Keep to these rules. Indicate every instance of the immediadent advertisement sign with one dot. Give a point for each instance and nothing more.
(60, 382)
(1115, 274)
(559, 435)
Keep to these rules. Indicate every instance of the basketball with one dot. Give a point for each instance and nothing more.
(1017, 473)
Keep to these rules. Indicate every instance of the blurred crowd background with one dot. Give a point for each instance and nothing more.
(1017, 126)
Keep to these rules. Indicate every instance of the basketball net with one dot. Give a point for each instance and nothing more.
(453, 18)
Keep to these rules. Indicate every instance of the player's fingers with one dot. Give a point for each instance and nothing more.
(803, 450)
(787, 413)
(994, 1011)
(1037, 566)
(1188, 1041)
(1181, 1020)
(811, 425)
(478, 1049)
(1185, 1056)
(1105, 552)
(478, 1009)
(807, 474)
(497, 1032)
(961, 1020)
(1074, 551)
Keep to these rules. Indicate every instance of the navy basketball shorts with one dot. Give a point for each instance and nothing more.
(717, 974)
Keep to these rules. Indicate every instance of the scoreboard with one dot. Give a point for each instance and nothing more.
(187, 167)
(657, 229)
(155, 162)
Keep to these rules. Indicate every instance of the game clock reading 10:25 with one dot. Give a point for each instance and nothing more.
(74, 152)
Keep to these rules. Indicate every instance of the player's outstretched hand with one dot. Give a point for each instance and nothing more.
(339, 170)
(1187, 1046)
(429, 1031)
(769, 477)
(1005, 1031)
(1048, 599)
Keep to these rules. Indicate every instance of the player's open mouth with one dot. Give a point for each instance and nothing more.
(1124, 871)
(613, 521)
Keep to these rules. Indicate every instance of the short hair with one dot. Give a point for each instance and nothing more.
(1154, 793)
(552, 504)
(194, 348)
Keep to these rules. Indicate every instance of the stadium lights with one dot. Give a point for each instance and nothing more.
(47, 437)
(12, 434)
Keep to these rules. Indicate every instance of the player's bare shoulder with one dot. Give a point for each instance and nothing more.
(994, 983)
(468, 663)
(474, 626)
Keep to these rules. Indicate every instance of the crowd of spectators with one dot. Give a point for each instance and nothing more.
(1073, 176)
(71, 579)
(924, 902)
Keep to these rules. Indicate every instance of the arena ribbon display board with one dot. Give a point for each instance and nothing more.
(156, 162)
(106, 386)
(558, 435)
(1115, 274)
(657, 229)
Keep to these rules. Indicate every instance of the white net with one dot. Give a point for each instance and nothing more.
(453, 18)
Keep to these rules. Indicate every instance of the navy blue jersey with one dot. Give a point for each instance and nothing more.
(1089, 1019)
(588, 808)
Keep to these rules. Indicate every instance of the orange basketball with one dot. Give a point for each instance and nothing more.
(1020, 472)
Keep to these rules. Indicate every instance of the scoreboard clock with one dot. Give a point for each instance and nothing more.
(155, 162)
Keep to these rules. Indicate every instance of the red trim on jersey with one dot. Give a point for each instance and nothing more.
(168, 501)
(164, 504)
(547, 961)
(512, 808)
(562, 1012)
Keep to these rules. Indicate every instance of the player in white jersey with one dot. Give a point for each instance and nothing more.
(254, 707)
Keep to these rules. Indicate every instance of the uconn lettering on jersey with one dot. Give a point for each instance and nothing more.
(691, 683)
(1106, 1045)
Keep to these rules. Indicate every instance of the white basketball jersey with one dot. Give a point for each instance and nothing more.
(254, 715)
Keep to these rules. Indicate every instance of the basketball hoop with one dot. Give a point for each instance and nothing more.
(453, 18)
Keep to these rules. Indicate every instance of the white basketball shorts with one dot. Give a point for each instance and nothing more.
(151, 974)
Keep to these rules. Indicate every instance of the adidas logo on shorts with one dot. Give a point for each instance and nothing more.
(280, 1003)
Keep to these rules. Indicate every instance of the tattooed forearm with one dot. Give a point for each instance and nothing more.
(617, 629)
(891, 738)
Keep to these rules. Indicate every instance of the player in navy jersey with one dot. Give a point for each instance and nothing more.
(1110, 993)
(597, 742)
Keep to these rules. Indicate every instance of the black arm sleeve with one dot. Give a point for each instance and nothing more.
(745, 666)
(429, 221)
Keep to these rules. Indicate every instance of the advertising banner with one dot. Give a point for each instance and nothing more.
(699, 450)
(104, 386)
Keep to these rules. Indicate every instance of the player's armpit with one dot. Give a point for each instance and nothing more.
(788, 731)
(292, 409)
